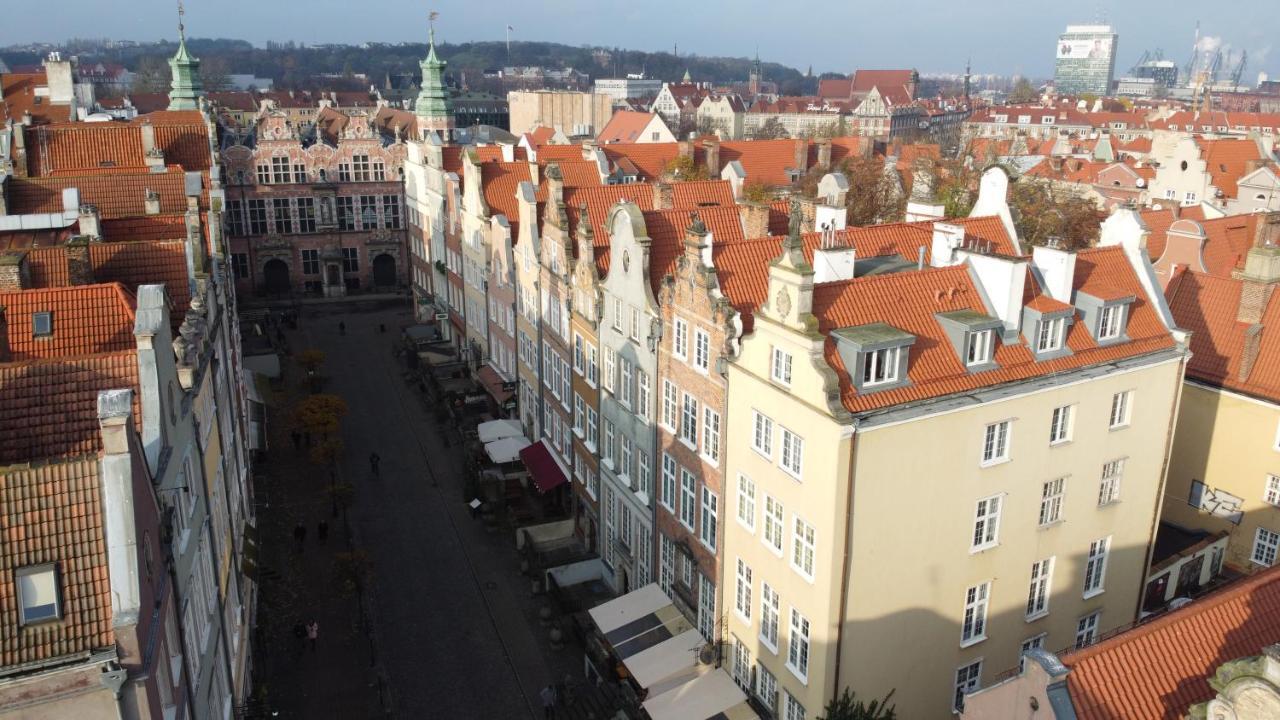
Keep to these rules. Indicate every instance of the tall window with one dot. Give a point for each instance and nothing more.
(360, 168)
(711, 435)
(391, 211)
(701, 349)
(688, 499)
(624, 464)
(762, 434)
(995, 445)
(769, 611)
(773, 524)
(280, 214)
(1120, 409)
(280, 167)
(706, 607)
(974, 628)
(979, 347)
(710, 518)
(368, 212)
(240, 265)
(593, 365)
(350, 259)
(346, 213)
(1110, 321)
(792, 453)
(1038, 595)
(1109, 487)
(680, 340)
(644, 472)
(880, 366)
(803, 548)
(669, 405)
(781, 367)
(610, 359)
(668, 497)
(1050, 336)
(258, 217)
(310, 262)
(264, 174)
(644, 395)
(742, 594)
(607, 448)
(689, 420)
(794, 710)
(747, 502)
(798, 645)
(634, 330)
(1051, 501)
(617, 314)
(667, 571)
(1087, 630)
(306, 214)
(966, 682)
(379, 170)
(1060, 425)
(766, 686)
(1266, 544)
(1271, 492)
(1095, 569)
(986, 523)
(626, 385)
(299, 173)
(235, 217)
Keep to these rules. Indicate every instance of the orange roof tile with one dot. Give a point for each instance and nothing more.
(666, 230)
(128, 263)
(701, 193)
(1226, 159)
(1227, 239)
(541, 135)
(649, 158)
(1160, 668)
(558, 153)
(765, 161)
(116, 195)
(87, 319)
(625, 127)
(53, 514)
(18, 96)
(51, 409)
(499, 181)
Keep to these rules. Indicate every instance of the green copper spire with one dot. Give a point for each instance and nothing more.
(433, 99)
(185, 88)
(687, 78)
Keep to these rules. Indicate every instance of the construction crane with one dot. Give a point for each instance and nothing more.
(1195, 51)
(1239, 71)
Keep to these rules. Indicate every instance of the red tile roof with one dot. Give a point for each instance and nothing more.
(1225, 160)
(700, 193)
(181, 135)
(624, 127)
(116, 194)
(541, 135)
(835, 88)
(864, 80)
(649, 158)
(909, 301)
(54, 514)
(666, 230)
(129, 263)
(87, 319)
(51, 406)
(1160, 668)
(499, 181)
(558, 153)
(18, 96)
(1227, 239)
(765, 161)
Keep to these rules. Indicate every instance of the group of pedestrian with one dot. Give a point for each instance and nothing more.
(300, 533)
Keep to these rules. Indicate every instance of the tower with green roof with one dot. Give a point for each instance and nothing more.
(185, 89)
(433, 108)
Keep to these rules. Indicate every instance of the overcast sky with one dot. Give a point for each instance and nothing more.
(1002, 36)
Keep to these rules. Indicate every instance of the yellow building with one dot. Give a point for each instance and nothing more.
(1224, 474)
(934, 469)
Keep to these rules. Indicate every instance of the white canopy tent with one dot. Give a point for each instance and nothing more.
(498, 429)
(507, 449)
(710, 695)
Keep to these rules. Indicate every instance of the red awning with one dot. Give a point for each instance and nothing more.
(546, 473)
(493, 384)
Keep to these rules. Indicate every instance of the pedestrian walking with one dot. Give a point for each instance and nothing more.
(548, 695)
(374, 461)
(300, 534)
(382, 327)
(297, 440)
(322, 530)
(342, 328)
(313, 631)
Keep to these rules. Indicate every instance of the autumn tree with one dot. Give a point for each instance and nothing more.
(1042, 210)
(1023, 92)
(320, 414)
(152, 75)
(311, 359)
(875, 195)
(683, 168)
(847, 707)
(757, 192)
(771, 129)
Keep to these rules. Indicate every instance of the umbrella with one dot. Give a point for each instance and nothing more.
(498, 429)
(505, 450)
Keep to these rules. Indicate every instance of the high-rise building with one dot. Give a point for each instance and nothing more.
(1086, 60)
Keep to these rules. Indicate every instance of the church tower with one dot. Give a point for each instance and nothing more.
(433, 108)
(185, 89)
(753, 81)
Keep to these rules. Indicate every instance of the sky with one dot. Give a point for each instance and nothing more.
(1001, 36)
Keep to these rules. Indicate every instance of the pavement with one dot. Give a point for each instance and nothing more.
(445, 626)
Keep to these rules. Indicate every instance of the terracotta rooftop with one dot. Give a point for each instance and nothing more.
(1227, 239)
(51, 405)
(181, 135)
(18, 96)
(1160, 668)
(649, 158)
(1226, 160)
(53, 514)
(765, 161)
(558, 153)
(499, 180)
(701, 193)
(625, 127)
(86, 320)
(666, 230)
(128, 263)
(116, 194)
(1207, 306)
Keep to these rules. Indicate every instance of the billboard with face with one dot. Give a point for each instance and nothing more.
(1084, 49)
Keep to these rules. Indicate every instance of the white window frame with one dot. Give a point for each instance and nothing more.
(1271, 490)
(1060, 424)
(1109, 484)
(1040, 589)
(981, 344)
(1095, 568)
(996, 440)
(680, 339)
(1051, 498)
(798, 645)
(1266, 547)
(746, 503)
(644, 396)
(986, 523)
(688, 499)
(701, 350)
(968, 679)
(1110, 322)
(670, 470)
(710, 519)
(780, 366)
(770, 616)
(1087, 629)
(710, 435)
(804, 547)
(791, 459)
(742, 591)
(774, 524)
(1121, 409)
(973, 626)
(670, 405)
(762, 434)
(1049, 334)
(881, 366)
(689, 405)
(793, 710)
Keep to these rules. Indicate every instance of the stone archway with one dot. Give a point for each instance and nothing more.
(275, 276)
(384, 270)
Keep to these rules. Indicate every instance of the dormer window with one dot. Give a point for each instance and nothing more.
(1106, 314)
(880, 366)
(1110, 321)
(42, 324)
(1049, 337)
(980, 347)
(875, 355)
(973, 335)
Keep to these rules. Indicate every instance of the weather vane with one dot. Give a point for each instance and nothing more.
(182, 31)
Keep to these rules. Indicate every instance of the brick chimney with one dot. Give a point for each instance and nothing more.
(90, 221)
(824, 154)
(79, 267)
(685, 148)
(151, 155)
(15, 274)
(1261, 274)
(755, 219)
(555, 184)
(663, 196)
(695, 237)
(711, 149)
(5, 354)
(800, 161)
(152, 202)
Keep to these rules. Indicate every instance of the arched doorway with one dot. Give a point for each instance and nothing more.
(384, 270)
(275, 276)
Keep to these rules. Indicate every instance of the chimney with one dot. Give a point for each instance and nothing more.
(711, 149)
(755, 219)
(947, 239)
(824, 154)
(152, 156)
(1003, 280)
(90, 222)
(5, 353)
(152, 202)
(685, 148)
(157, 367)
(79, 266)
(695, 238)
(1057, 270)
(15, 273)
(1261, 273)
(555, 185)
(833, 191)
(60, 79)
(663, 196)
(197, 248)
(535, 173)
(800, 161)
(115, 410)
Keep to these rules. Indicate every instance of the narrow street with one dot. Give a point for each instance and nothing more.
(455, 629)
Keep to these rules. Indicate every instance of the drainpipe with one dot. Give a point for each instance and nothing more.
(848, 552)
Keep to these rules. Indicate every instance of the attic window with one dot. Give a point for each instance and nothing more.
(1107, 319)
(875, 355)
(880, 366)
(38, 593)
(1110, 322)
(980, 344)
(1049, 334)
(42, 324)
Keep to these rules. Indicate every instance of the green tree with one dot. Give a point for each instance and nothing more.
(1043, 211)
(770, 129)
(1023, 92)
(757, 192)
(684, 168)
(846, 707)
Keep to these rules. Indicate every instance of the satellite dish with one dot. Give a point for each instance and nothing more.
(707, 654)
(1141, 182)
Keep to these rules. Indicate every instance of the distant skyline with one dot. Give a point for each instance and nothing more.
(1000, 36)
